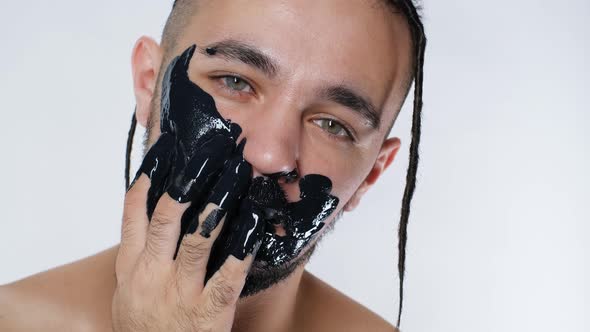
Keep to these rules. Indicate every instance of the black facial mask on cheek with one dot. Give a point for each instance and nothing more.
(191, 160)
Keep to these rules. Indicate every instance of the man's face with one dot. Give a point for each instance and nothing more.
(335, 82)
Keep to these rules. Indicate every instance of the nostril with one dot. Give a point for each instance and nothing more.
(284, 177)
(256, 173)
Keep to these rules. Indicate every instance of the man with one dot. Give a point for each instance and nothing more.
(308, 91)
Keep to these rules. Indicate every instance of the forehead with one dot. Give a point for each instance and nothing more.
(363, 44)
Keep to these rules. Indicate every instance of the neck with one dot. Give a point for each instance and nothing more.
(272, 309)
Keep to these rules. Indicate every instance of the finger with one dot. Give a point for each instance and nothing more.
(223, 290)
(195, 249)
(245, 239)
(164, 229)
(196, 245)
(189, 184)
(134, 225)
(247, 231)
(135, 218)
(156, 165)
(229, 189)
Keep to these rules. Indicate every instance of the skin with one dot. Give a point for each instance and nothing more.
(312, 48)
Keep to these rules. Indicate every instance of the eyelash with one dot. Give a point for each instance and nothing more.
(231, 91)
(349, 136)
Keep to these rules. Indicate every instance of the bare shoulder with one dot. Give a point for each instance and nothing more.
(323, 308)
(72, 297)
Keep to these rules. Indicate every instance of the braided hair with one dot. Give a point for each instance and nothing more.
(410, 11)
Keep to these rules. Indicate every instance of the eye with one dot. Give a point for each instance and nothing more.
(334, 128)
(236, 83)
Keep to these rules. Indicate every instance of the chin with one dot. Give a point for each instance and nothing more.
(262, 276)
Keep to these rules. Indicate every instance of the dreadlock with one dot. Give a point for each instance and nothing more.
(419, 47)
(410, 11)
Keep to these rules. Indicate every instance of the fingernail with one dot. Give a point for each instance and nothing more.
(235, 130)
(190, 182)
(194, 225)
(254, 253)
(241, 146)
(256, 248)
(211, 222)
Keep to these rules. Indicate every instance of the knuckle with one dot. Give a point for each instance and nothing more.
(130, 298)
(172, 292)
(145, 278)
(155, 243)
(121, 269)
(128, 231)
(163, 217)
(192, 315)
(232, 271)
(143, 264)
(139, 288)
(195, 318)
(223, 293)
(195, 248)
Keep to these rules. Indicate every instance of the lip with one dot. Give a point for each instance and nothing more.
(267, 193)
(274, 216)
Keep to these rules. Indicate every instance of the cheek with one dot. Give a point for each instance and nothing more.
(347, 168)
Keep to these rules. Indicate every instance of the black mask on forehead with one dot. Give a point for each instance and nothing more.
(261, 219)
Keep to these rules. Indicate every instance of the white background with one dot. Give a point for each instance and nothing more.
(499, 232)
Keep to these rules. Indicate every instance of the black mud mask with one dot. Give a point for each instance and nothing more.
(197, 159)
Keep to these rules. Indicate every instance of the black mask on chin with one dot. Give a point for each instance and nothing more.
(191, 161)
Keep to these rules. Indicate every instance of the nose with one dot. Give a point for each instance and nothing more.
(272, 140)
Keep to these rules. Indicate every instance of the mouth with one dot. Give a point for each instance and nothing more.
(267, 193)
(270, 200)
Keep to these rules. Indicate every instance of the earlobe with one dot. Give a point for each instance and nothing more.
(146, 59)
(387, 154)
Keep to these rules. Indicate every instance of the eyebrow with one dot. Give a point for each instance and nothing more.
(235, 50)
(231, 49)
(347, 97)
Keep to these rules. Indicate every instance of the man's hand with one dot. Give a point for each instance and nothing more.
(158, 293)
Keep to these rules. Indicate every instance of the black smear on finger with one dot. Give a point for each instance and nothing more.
(233, 182)
(231, 187)
(156, 165)
(190, 182)
(246, 233)
(239, 238)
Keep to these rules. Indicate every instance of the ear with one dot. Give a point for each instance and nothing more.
(386, 155)
(146, 59)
